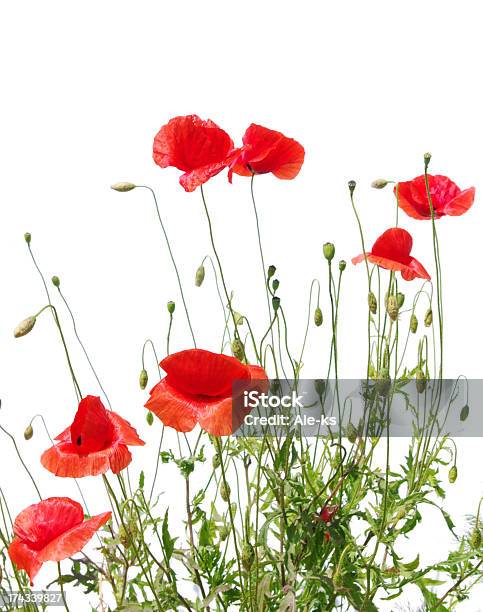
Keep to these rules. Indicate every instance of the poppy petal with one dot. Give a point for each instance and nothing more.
(171, 408)
(406, 203)
(119, 458)
(91, 429)
(24, 558)
(64, 461)
(415, 269)
(124, 431)
(191, 180)
(395, 243)
(73, 540)
(461, 203)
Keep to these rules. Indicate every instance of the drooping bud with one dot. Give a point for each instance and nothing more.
(421, 381)
(352, 186)
(225, 491)
(383, 383)
(216, 461)
(427, 159)
(56, 281)
(319, 385)
(453, 474)
(351, 433)
(237, 349)
(413, 324)
(149, 418)
(400, 299)
(372, 301)
(171, 307)
(428, 319)
(379, 183)
(248, 556)
(392, 307)
(143, 379)
(271, 271)
(239, 318)
(465, 411)
(275, 303)
(275, 284)
(24, 327)
(27, 237)
(318, 318)
(29, 432)
(475, 538)
(123, 186)
(224, 532)
(342, 265)
(200, 275)
(329, 251)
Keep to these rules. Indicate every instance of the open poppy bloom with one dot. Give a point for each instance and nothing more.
(199, 148)
(97, 441)
(446, 197)
(198, 389)
(392, 251)
(51, 530)
(266, 151)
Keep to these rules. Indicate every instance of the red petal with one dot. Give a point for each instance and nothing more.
(415, 269)
(91, 430)
(119, 458)
(198, 372)
(124, 431)
(395, 244)
(191, 180)
(64, 461)
(24, 558)
(408, 205)
(461, 203)
(73, 540)
(172, 408)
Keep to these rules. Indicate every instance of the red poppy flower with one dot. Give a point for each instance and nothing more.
(266, 151)
(198, 389)
(51, 530)
(96, 441)
(447, 198)
(328, 512)
(392, 252)
(198, 148)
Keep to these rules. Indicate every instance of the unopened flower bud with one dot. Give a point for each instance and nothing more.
(56, 281)
(27, 237)
(351, 433)
(24, 327)
(123, 186)
(379, 183)
(275, 303)
(225, 491)
(275, 284)
(319, 385)
(465, 411)
(149, 418)
(428, 319)
(224, 532)
(271, 271)
(329, 251)
(372, 301)
(237, 349)
(248, 556)
(383, 383)
(413, 324)
(143, 379)
(342, 265)
(318, 318)
(400, 299)
(29, 432)
(352, 186)
(216, 461)
(200, 275)
(427, 159)
(239, 318)
(453, 474)
(475, 538)
(421, 381)
(392, 307)
(171, 307)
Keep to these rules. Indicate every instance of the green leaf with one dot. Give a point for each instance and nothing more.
(410, 567)
(168, 541)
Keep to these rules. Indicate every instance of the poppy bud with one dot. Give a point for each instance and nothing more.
(271, 271)
(319, 386)
(420, 381)
(329, 251)
(318, 318)
(225, 491)
(224, 532)
(352, 186)
(383, 382)
(351, 433)
(453, 474)
(372, 301)
(275, 284)
(123, 186)
(400, 299)
(56, 281)
(275, 303)
(427, 159)
(475, 538)
(149, 418)
(237, 349)
(392, 307)
(413, 324)
(27, 237)
(171, 307)
(143, 379)
(248, 556)
(239, 318)
(216, 461)
(428, 319)
(24, 327)
(379, 183)
(342, 265)
(200, 275)
(465, 411)
(29, 432)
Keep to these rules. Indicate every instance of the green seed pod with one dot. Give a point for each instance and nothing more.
(225, 491)
(27, 237)
(427, 159)
(237, 349)
(342, 265)
(318, 318)
(392, 308)
(421, 381)
(400, 299)
(475, 538)
(329, 251)
(248, 556)
(216, 461)
(428, 319)
(29, 432)
(465, 411)
(24, 327)
(275, 303)
(123, 186)
(275, 284)
(143, 379)
(372, 301)
(352, 186)
(149, 418)
(453, 474)
(171, 307)
(413, 324)
(200, 275)
(56, 281)
(379, 183)
(351, 433)
(271, 271)
(383, 383)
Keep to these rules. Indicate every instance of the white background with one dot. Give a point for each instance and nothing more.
(366, 87)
